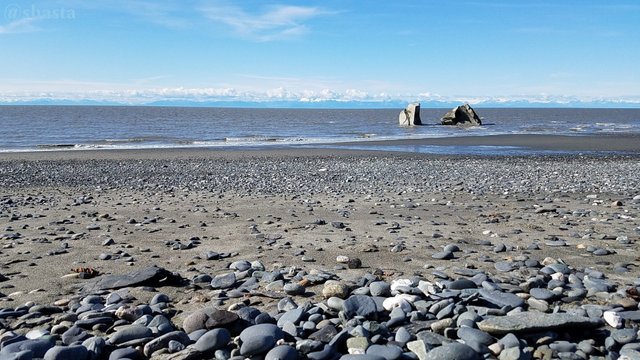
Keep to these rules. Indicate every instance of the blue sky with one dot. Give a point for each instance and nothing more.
(136, 51)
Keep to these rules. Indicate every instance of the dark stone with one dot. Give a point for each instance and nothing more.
(531, 321)
(258, 339)
(461, 284)
(75, 352)
(500, 298)
(282, 352)
(151, 276)
(359, 305)
(453, 351)
(461, 115)
(213, 340)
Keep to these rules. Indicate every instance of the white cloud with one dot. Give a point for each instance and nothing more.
(23, 25)
(131, 94)
(274, 23)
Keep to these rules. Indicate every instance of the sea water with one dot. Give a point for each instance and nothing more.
(27, 128)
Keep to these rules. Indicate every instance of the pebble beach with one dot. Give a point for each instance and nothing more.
(318, 254)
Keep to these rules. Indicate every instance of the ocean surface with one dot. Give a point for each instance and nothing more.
(47, 128)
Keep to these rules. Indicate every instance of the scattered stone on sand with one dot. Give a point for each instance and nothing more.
(432, 265)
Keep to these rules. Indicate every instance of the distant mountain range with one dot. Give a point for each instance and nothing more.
(334, 104)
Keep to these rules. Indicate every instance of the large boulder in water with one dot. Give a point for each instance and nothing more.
(461, 115)
(410, 116)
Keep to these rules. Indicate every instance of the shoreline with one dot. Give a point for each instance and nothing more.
(526, 144)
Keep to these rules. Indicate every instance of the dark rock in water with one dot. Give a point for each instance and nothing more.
(151, 276)
(410, 116)
(530, 321)
(461, 115)
(453, 351)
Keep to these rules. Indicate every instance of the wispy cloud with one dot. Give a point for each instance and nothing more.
(24, 25)
(275, 22)
(167, 14)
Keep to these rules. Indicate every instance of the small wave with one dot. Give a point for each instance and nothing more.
(129, 140)
(251, 139)
(56, 146)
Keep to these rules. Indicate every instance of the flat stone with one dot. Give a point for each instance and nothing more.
(162, 342)
(556, 243)
(361, 357)
(74, 334)
(431, 339)
(542, 294)
(258, 339)
(223, 281)
(292, 316)
(633, 315)
(503, 266)
(293, 289)
(461, 284)
(530, 321)
(213, 340)
(380, 288)
(359, 305)
(443, 255)
(150, 276)
(453, 351)
(470, 334)
(500, 298)
(282, 352)
(130, 332)
(37, 347)
(388, 352)
(624, 336)
(76, 352)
